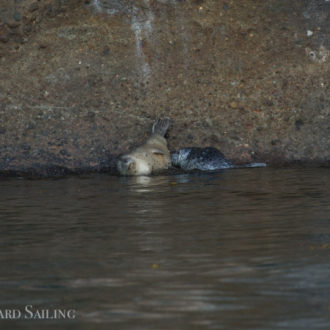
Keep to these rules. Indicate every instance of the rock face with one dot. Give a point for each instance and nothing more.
(83, 81)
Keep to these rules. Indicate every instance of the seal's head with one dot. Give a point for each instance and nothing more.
(180, 156)
(203, 159)
(130, 165)
(150, 157)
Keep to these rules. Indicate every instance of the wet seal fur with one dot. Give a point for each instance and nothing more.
(150, 157)
(205, 159)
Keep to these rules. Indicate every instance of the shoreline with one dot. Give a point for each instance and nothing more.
(51, 171)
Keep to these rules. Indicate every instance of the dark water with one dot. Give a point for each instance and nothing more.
(241, 249)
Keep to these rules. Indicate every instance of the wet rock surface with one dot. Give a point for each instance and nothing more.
(83, 81)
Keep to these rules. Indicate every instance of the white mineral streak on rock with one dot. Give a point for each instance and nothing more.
(107, 6)
(183, 33)
(97, 6)
(142, 28)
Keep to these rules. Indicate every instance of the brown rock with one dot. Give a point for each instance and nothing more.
(4, 38)
(33, 7)
(233, 105)
(13, 24)
(102, 78)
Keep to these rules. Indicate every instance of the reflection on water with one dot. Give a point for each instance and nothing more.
(239, 249)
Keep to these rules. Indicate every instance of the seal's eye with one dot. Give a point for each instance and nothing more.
(157, 152)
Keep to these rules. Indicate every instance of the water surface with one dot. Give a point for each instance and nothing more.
(239, 249)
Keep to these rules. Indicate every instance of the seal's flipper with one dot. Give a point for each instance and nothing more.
(161, 126)
(254, 165)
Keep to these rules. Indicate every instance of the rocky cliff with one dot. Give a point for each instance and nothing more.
(83, 81)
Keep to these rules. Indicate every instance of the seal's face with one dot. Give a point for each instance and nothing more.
(150, 157)
(129, 165)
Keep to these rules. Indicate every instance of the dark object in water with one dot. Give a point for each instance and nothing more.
(205, 159)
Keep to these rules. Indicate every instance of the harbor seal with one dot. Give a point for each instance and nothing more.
(205, 159)
(150, 157)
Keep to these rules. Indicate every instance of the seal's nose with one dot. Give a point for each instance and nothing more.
(125, 164)
(126, 161)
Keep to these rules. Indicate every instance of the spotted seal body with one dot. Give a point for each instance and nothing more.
(205, 159)
(150, 157)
